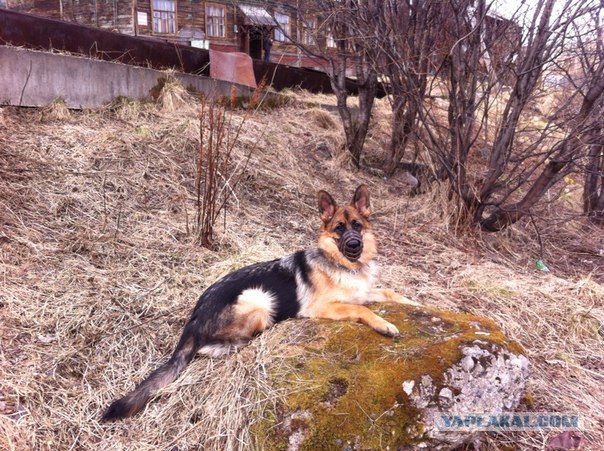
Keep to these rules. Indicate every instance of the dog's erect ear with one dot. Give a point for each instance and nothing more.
(327, 206)
(360, 201)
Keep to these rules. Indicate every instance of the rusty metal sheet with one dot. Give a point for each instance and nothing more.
(235, 67)
(255, 15)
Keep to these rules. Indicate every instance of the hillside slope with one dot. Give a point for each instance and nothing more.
(100, 267)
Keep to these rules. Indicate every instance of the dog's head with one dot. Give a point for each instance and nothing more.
(345, 231)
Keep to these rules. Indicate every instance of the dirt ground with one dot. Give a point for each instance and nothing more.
(100, 266)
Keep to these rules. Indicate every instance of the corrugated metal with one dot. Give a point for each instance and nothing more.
(254, 15)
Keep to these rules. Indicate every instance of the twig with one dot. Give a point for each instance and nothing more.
(538, 236)
(25, 85)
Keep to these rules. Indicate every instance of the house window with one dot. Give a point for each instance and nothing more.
(330, 41)
(282, 31)
(164, 16)
(308, 33)
(216, 24)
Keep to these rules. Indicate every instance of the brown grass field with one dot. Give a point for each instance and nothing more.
(99, 268)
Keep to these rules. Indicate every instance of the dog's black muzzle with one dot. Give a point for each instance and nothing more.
(351, 245)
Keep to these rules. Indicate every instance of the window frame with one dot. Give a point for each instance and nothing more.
(279, 35)
(309, 32)
(210, 24)
(330, 41)
(173, 21)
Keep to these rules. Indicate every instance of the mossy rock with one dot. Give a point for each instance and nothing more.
(352, 388)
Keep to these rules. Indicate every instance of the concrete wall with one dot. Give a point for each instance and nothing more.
(32, 78)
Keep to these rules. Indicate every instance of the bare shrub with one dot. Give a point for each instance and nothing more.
(172, 94)
(55, 111)
(344, 41)
(125, 108)
(526, 156)
(218, 172)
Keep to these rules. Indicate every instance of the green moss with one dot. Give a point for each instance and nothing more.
(528, 400)
(350, 381)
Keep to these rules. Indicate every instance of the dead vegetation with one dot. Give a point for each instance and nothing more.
(99, 270)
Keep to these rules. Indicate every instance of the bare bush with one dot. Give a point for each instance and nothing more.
(345, 41)
(525, 159)
(407, 37)
(490, 72)
(217, 172)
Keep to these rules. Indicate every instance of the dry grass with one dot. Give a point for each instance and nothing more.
(172, 95)
(126, 109)
(99, 270)
(323, 119)
(55, 111)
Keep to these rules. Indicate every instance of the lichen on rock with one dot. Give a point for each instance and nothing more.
(352, 388)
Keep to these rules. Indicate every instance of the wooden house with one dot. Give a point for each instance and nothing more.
(226, 26)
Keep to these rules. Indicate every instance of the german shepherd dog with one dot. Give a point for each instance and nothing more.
(330, 281)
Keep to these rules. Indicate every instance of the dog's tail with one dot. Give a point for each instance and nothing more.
(136, 400)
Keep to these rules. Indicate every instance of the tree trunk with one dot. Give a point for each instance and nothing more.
(367, 93)
(593, 189)
(355, 127)
(508, 215)
(403, 119)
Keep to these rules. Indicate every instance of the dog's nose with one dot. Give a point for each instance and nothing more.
(353, 244)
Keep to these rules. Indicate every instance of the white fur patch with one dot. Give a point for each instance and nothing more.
(216, 350)
(256, 301)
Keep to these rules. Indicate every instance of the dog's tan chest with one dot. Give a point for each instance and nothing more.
(352, 285)
(338, 286)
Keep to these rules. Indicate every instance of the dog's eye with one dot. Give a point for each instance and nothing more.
(356, 226)
(341, 228)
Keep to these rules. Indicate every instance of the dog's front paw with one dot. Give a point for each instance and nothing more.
(404, 300)
(388, 329)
